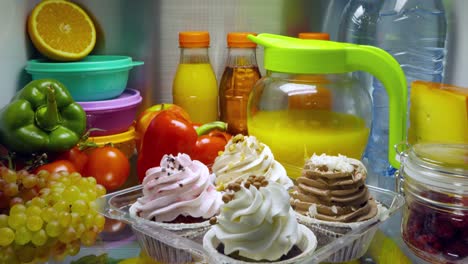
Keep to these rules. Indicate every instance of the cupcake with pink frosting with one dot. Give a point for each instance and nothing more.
(179, 195)
(181, 190)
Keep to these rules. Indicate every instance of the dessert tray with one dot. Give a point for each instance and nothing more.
(154, 239)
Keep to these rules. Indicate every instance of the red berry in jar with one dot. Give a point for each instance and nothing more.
(459, 221)
(441, 226)
(456, 250)
(435, 185)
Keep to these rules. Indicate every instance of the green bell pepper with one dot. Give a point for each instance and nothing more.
(42, 117)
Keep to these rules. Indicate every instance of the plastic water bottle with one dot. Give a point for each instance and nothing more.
(414, 32)
(358, 22)
(358, 26)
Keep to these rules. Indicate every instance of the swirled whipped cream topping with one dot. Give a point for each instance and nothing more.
(256, 221)
(179, 186)
(244, 156)
(332, 188)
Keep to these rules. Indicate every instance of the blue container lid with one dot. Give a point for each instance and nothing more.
(89, 63)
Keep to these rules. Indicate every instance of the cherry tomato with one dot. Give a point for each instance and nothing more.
(109, 166)
(58, 165)
(75, 156)
(208, 146)
(222, 134)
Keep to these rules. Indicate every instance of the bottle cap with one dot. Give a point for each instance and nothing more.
(240, 40)
(314, 35)
(194, 39)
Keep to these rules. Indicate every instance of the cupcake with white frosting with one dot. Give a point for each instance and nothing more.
(179, 196)
(257, 224)
(244, 156)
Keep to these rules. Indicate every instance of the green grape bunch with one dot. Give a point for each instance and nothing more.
(47, 215)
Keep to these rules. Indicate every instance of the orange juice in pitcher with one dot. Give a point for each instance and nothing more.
(309, 102)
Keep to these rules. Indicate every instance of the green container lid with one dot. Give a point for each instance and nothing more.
(89, 63)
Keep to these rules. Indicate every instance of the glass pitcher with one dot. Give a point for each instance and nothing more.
(308, 102)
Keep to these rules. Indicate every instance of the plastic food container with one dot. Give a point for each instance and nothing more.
(434, 179)
(125, 142)
(155, 241)
(112, 116)
(306, 245)
(327, 232)
(91, 79)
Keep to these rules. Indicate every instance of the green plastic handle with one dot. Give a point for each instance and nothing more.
(385, 68)
(299, 56)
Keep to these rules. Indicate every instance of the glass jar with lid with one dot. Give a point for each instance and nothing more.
(434, 179)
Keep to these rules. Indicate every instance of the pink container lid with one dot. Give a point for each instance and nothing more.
(129, 97)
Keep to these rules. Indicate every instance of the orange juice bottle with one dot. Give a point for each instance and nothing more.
(239, 77)
(195, 88)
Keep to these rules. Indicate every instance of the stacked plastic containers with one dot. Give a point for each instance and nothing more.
(99, 85)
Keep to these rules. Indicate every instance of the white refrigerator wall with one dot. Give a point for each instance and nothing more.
(147, 30)
(15, 46)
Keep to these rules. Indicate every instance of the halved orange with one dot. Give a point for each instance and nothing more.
(61, 30)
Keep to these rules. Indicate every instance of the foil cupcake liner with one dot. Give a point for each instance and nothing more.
(307, 245)
(161, 251)
(326, 232)
(162, 248)
(356, 249)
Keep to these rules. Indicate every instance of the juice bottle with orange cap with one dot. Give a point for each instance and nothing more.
(195, 88)
(240, 75)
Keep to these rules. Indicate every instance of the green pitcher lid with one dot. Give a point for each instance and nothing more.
(301, 56)
(310, 56)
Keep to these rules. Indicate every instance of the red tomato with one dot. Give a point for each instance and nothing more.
(109, 166)
(208, 146)
(76, 156)
(58, 165)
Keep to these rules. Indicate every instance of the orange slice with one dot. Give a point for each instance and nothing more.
(61, 30)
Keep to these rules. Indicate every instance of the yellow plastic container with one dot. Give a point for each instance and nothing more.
(125, 142)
